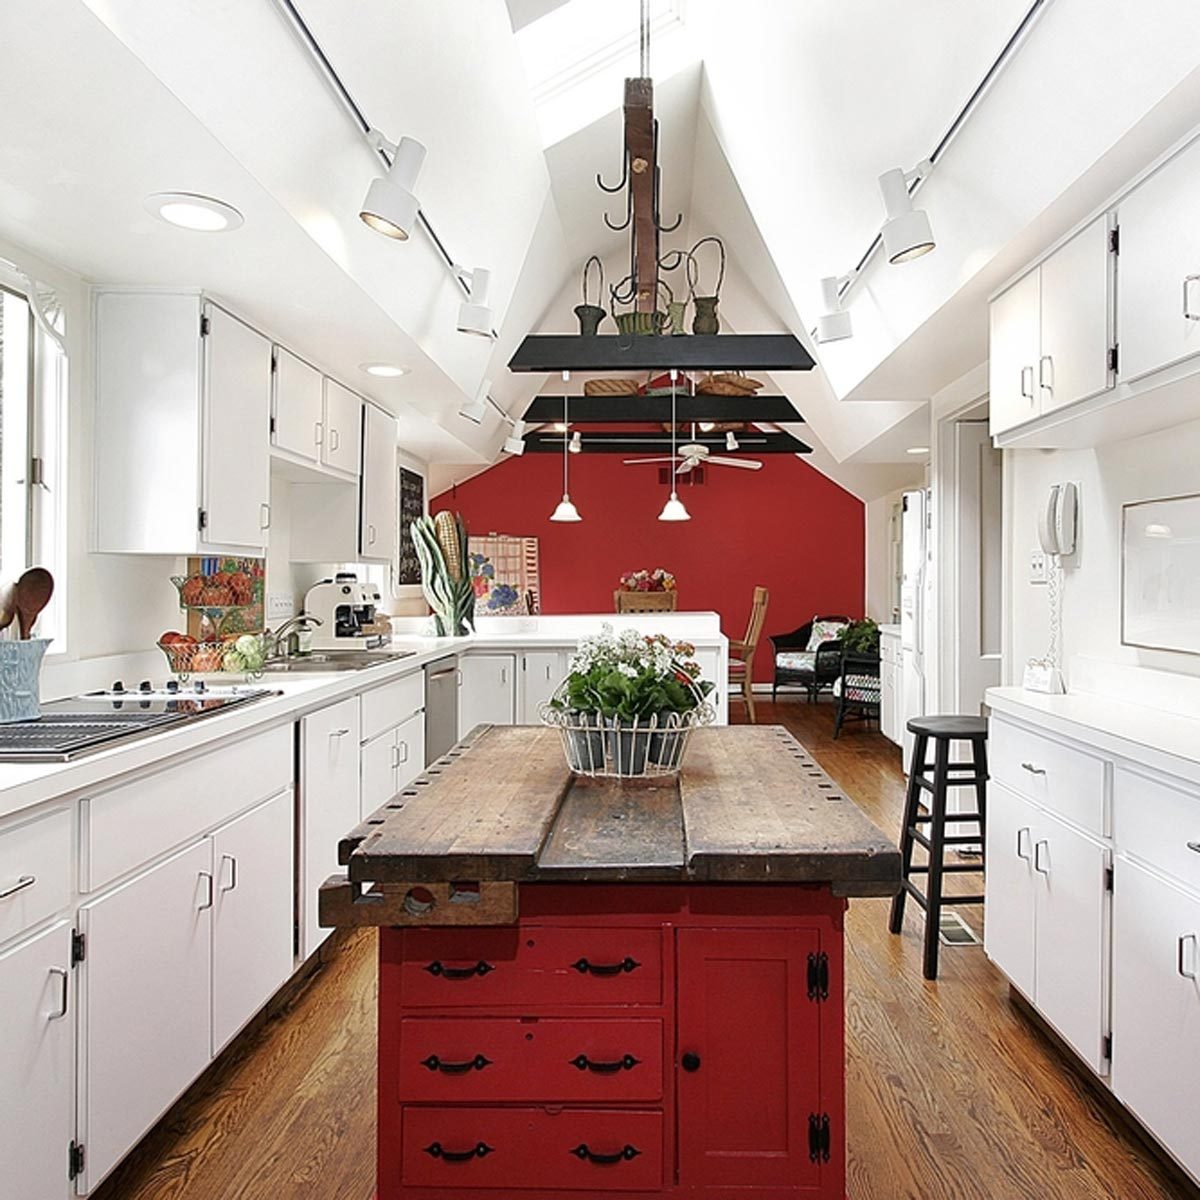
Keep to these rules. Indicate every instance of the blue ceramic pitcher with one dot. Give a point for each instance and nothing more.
(20, 669)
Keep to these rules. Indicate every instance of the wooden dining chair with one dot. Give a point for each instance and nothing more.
(741, 653)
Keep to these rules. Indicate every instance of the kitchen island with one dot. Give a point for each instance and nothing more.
(591, 986)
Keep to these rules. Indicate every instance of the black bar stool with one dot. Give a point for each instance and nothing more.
(942, 731)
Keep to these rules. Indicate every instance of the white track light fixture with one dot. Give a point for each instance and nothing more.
(515, 442)
(566, 511)
(576, 444)
(474, 314)
(474, 410)
(674, 510)
(731, 443)
(391, 206)
(834, 323)
(907, 233)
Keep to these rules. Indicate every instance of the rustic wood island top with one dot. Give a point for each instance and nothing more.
(750, 806)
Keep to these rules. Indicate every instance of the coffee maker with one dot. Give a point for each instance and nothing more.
(346, 609)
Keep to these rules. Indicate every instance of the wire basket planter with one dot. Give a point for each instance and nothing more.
(187, 658)
(625, 748)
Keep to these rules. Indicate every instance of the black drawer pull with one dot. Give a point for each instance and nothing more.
(625, 1154)
(437, 968)
(623, 967)
(456, 1068)
(625, 1063)
(1194, 846)
(437, 1150)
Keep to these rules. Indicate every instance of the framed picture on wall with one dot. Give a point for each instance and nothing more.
(1160, 574)
(412, 508)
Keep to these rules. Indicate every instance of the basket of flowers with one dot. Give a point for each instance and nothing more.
(646, 591)
(629, 705)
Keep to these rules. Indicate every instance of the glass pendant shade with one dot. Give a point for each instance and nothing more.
(566, 511)
(673, 510)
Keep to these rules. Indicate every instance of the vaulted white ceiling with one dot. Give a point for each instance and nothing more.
(776, 118)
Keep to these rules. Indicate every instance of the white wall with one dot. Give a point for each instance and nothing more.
(880, 601)
(1158, 465)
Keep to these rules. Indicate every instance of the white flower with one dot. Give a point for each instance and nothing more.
(627, 670)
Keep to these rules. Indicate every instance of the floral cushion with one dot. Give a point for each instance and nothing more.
(824, 631)
(795, 660)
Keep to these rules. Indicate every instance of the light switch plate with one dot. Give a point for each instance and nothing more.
(280, 606)
(1038, 570)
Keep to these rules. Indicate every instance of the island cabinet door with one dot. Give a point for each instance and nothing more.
(747, 1070)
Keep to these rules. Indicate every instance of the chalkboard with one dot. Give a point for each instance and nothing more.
(412, 508)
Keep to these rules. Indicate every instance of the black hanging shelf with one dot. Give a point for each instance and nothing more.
(605, 410)
(545, 352)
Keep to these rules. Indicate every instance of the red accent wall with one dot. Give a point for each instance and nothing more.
(786, 527)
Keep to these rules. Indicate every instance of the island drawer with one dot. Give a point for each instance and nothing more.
(1051, 773)
(486, 1060)
(385, 707)
(35, 871)
(532, 1148)
(1158, 823)
(530, 965)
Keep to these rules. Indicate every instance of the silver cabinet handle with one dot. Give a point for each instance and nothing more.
(64, 998)
(1027, 394)
(1037, 858)
(1194, 846)
(264, 516)
(208, 883)
(1025, 832)
(1032, 769)
(21, 884)
(402, 750)
(1049, 387)
(233, 880)
(370, 535)
(339, 733)
(334, 439)
(318, 433)
(1188, 280)
(503, 674)
(1183, 941)
(395, 757)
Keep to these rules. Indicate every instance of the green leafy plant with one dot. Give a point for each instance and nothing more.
(860, 637)
(441, 545)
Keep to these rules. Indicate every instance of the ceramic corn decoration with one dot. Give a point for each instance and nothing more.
(441, 545)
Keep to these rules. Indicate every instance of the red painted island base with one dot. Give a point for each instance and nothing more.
(648, 1041)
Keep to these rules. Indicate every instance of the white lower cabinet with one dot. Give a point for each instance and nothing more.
(36, 1065)
(391, 761)
(1156, 1008)
(488, 691)
(541, 673)
(1047, 918)
(145, 1002)
(252, 913)
(329, 803)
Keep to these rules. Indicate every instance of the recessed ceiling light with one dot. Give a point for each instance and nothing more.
(917, 450)
(384, 370)
(201, 214)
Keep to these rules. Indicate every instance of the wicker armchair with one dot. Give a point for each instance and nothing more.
(797, 666)
(858, 689)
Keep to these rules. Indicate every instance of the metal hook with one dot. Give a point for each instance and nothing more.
(612, 191)
(628, 215)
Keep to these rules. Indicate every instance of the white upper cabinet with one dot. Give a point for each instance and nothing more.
(298, 405)
(343, 421)
(377, 530)
(1158, 285)
(1013, 354)
(183, 399)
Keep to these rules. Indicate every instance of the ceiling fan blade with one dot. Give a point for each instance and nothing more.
(633, 462)
(747, 464)
(685, 466)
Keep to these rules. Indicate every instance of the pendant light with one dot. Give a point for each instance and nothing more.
(673, 510)
(566, 511)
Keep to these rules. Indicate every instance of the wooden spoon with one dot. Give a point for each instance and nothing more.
(8, 604)
(33, 593)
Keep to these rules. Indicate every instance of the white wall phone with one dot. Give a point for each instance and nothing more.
(1057, 520)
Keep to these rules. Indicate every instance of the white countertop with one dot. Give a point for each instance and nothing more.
(1167, 740)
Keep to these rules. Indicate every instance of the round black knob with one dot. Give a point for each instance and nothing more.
(691, 1062)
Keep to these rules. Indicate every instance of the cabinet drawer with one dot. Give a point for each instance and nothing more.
(136, 822)
(486, 1060)
(386, 706)
(1066, 780)
(35, 871)
(530, 966)
(1158, 823)
(530, 1148)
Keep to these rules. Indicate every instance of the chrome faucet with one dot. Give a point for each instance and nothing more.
(275, 638)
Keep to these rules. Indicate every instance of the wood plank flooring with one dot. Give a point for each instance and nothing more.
(954, 1093)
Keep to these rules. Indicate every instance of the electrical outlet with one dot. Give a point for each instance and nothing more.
(1038, 570)
(280, 606)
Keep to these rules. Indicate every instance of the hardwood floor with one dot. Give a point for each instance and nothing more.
(954, 1093)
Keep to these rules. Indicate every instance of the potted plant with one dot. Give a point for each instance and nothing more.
(860, 638)
(646, 591)
(626, 700)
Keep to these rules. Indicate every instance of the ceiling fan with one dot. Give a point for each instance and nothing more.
(694, 454)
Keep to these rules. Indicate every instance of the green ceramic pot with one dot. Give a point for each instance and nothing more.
(641, 324)
(706, 319)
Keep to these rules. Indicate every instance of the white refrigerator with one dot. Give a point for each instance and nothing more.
(914, 541)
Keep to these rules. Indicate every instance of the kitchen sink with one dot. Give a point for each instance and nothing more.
(334, 660)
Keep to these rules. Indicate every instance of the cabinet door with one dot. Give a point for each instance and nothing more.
(343, 428)
(35, 1065)
(1158, 281)
(145, 1007)
(1156, 1007)
(410, 750)
(1015, 318)
(297, 406)
(237, 413)
(744, 1014)
(541, 673)
(488, 692)
(1008, 928)
(1076, 302)
(329, 804)
(252, 913)
(377, 771)
(377, 529)
(1071, 944)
